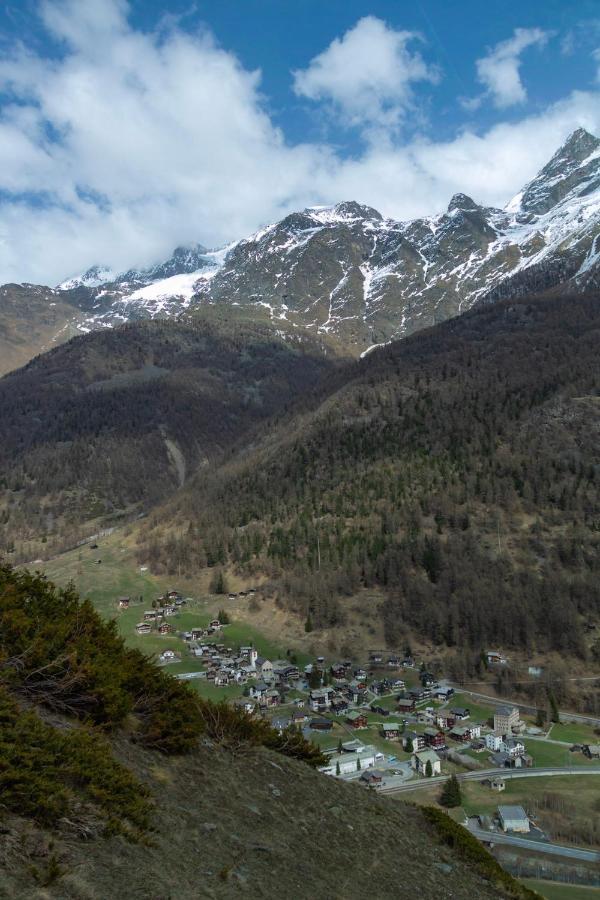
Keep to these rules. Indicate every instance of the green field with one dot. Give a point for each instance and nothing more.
(118, 575)
(552, 890)
(546, 754)
(574, 733)
(479, 799)
(479, 713)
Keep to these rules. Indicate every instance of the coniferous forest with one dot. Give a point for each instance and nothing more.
(457, 471)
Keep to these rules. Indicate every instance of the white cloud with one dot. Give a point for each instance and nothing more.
(132, 143)
(499, 70)
(367, 75)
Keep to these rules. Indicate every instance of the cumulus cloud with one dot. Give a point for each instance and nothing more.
(499, 71)
(367, 75)
(126, 144)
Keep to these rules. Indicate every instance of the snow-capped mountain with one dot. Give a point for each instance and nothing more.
(348, 272)
(165, 289)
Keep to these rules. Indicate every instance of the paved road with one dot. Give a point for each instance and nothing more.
(527, 707)
(537, 846)
(480, 774)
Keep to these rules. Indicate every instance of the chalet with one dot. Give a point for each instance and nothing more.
(380, 710)
(124, 602)
(321, 698)
(167, 656)
(197, 633)
(150, 615)
(443, 693)
(321, 725)
(299, 717)
(352, 693)
(231, 596)
(165, 628)
(498, 784)
(338, 671)
(592, 751)
(174, 595)
(360, 674)
(357, 719)
(339, 706)
(393, 662)
(390, 731)
(461, 712)
(495, 658)
(406, 704)
(215, 624)
(285, 672)
(143, 628)
(427, 679)
(464, 733)
(445, 720)
(418, 694)
(504, 760)
(420, 759)
(245, 704)
(513, 746)
(272, 698)
(372, 777)
(258, 690)
(170, 610)
(434, 739)
(411, 739)
(398, 684)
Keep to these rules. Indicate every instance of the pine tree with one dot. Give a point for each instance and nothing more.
(223, 617)
(308, 625)
(428, 769)
(340, 748)
(358, 765)
(409, 745)
(337, 767)
(218, 584)
(451, 795)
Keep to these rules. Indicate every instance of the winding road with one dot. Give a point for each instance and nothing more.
(514, 840)
(481, 774)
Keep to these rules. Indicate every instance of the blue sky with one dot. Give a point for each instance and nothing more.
(128, 128)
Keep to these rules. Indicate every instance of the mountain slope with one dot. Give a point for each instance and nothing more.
(115, 421)
(346, 272)
(455, 471)
(169, 795)
(33, 319)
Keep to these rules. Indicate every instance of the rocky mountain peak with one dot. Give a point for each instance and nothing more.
(571, 168)
(462, 202)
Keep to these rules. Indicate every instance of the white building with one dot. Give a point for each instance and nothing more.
(348, 763)
(513, 818)
(493, 742)
(419, 762)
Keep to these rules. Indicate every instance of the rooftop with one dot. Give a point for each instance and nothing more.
(512, 812)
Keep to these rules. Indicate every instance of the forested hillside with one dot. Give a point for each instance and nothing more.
(456, 470)
(115, 421)
(110, 768)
